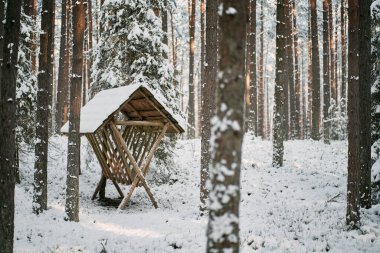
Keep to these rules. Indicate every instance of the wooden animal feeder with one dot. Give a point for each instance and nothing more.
(124, 127)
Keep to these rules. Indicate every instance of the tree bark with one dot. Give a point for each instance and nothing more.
(52, 92)
(174, 43)
(290, 93)
(63, 70)
(344, 54)
(43, 107)
(260, 90)
(164, 19)
(326, 73)
(316, 82)
(297, 115)
(252, 70)
(224, 197)
(90, 43)
(8, 122)
(247, 70)
(333, 82)
(208, 93)
(365, 83)
(281, 81)
(2, 17)
(191, 109)
(73, 153)
(359, 92)
(309, 77)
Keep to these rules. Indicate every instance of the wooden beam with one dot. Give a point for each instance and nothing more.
(158, 109)
(153, 149)
(118, 189)
(124, 159)
(133, 109)
(139, 123)
(139, 174)
(97, 189)
(99, 155)
(147, 146)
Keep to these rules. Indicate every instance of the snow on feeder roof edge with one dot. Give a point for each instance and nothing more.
(107, 102)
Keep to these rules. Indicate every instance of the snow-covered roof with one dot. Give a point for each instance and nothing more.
(107, 102)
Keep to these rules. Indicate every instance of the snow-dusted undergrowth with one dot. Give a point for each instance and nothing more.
(297, 208)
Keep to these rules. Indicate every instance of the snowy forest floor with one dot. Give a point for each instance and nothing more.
(298, 208)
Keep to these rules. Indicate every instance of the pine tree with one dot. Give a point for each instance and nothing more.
(359, 51)
(297, 72)
(281, 81)
(343, 54)
(326, 74)
(309, 78)
(290, 91)
(26, 79)
(63, 70)
(208, 91)
(365, 73)
(191, 106)
(228, 131)
(333, 83)
(43, 107)
(8, 122)
(316, 100)
(252, 124)
(260, 88)
(73, 152)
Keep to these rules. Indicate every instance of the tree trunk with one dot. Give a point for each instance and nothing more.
(2, 17)
(290, 95)
(304, 102)
(309, 77)
(191, 109)
(63, 70)
(8, 122)
(174, 43)
(73, 152)
(344, 54)
(260, 90)
(208, 92)
(359, 93)
(43, 107)
(297, 115)
(281, 81)
(52, 92)
(326, 73)
(252, 69)
(164, 19)
(223, 226)
(333, 82)
(268, 119)
(365, 83)
(28, 11)
(90, 44)
(316, 82)
(247, 70)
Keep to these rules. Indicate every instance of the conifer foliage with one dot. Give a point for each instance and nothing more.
(131, 49)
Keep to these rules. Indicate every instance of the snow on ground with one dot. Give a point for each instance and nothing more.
(297, 208)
